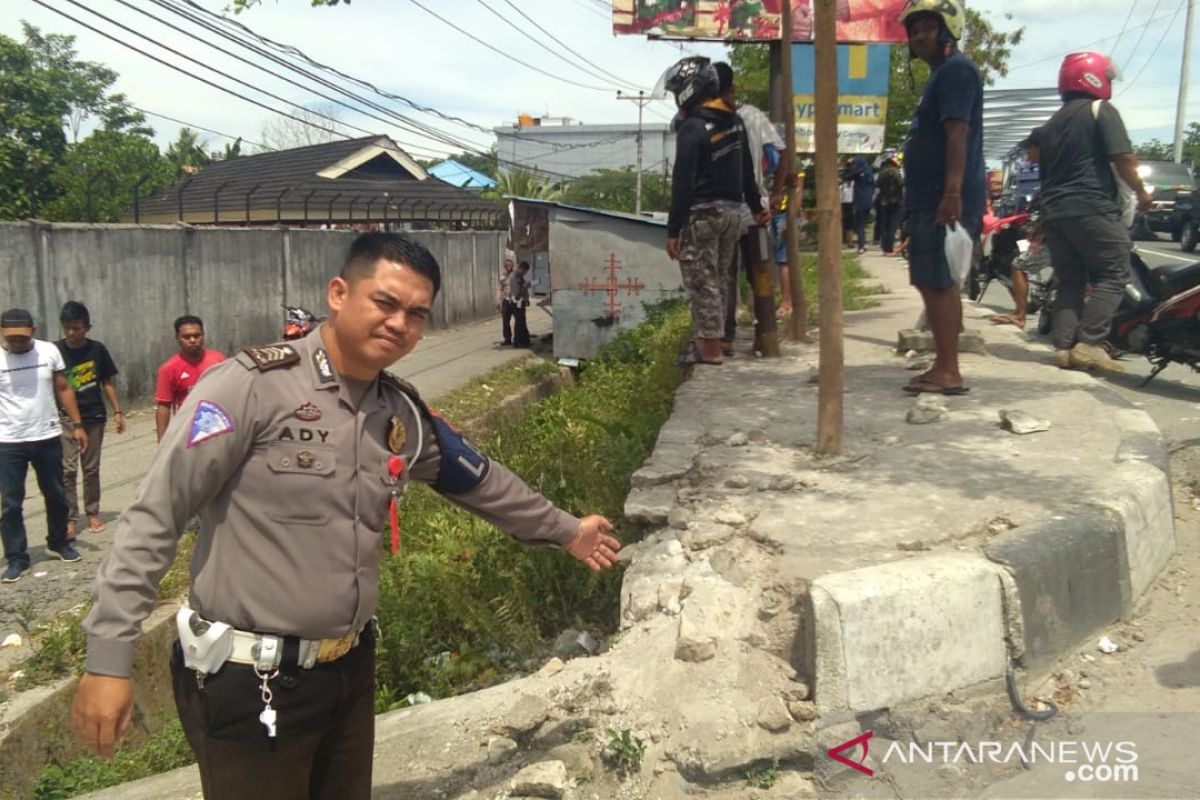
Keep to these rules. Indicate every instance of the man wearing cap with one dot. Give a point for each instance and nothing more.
(294, 456)
(33, 384)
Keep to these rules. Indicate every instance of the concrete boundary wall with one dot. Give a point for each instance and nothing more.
(136, 279)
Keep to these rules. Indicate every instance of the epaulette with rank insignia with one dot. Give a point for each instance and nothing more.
(273, 356)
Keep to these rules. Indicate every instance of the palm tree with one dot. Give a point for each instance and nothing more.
(531, 185)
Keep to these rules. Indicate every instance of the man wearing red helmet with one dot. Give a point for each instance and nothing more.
(1084, 148)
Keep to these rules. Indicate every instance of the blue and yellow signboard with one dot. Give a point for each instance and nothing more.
(862, 96)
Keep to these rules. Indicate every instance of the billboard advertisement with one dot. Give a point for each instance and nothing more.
(862, 96)
(755, 20)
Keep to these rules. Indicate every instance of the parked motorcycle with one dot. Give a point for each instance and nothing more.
(999, 247)
(298, 322)
(1159, 316)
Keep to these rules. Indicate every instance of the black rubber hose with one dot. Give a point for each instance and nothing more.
(1019, 706)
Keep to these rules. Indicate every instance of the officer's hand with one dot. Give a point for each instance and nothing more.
(102, 712)
(81, 439)
(673, 247)
(592, 545)
(950, 209)
(763, 217)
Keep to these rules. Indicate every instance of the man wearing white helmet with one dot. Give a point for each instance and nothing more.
(945, 181)
(1081, 146)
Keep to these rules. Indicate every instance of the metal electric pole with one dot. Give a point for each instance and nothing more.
(641, 101)
(1181, 106)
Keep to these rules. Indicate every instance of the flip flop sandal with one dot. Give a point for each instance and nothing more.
(928, 386)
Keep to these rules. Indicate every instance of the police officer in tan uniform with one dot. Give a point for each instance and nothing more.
(291, 455)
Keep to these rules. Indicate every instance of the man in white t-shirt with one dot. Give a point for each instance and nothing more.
(33, 384)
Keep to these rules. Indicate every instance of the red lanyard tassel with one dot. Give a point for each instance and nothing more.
(395, 470)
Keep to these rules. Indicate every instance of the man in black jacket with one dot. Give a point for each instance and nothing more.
(713, 176)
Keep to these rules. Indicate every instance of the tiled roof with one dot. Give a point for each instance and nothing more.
(358, 171)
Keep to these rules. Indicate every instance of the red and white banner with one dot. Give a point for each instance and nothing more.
(755, 20)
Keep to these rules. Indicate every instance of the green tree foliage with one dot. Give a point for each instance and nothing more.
(751, 74)
(616, 190)
(983, 42)
(96, 179)
(987, 46)
(1157, 150)
(45, 91)
(186, 155)
(518, 183)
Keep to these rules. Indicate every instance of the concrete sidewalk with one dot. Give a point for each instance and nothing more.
(928, 557)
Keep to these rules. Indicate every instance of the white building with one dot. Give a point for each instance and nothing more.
(569, 150)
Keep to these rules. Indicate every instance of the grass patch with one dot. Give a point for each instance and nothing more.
(164, 750)
(481, 394)
(463, 606)
(856, 292)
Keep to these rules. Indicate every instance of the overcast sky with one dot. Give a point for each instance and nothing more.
(402, 49)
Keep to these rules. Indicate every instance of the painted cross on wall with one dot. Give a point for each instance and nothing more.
(611, 287)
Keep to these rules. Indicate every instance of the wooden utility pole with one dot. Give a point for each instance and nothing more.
(788, 104)
(829, 213)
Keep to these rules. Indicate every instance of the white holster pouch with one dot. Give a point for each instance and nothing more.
(206, 645)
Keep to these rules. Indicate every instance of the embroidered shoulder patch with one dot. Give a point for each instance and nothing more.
(273, 356)
(209, 422)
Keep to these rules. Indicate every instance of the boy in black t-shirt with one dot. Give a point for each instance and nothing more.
(90, 371)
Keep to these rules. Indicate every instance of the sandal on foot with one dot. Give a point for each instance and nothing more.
(693, 356)
(925, 385)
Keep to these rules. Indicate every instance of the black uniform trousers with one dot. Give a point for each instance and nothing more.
(325, 722)
(521, 334)
(507, 308)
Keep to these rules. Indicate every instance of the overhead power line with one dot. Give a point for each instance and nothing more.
(399, 120)
(294, 52)
(1142, 35)
(1154, 52)
(200, 78)
(589, 72)
(1112, 53)
(621, 81)
(187, 124)
(1101, 40)
(500, 52)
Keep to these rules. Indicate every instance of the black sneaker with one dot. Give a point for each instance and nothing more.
(66, 553)
(14, 572)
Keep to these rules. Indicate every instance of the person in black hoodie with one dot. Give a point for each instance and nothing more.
(713, 176)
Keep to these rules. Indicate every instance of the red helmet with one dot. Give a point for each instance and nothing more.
(1088, 73)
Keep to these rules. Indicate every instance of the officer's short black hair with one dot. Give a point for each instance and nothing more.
(724, 76)
(75, 311)
(370, 248)
(188, 319)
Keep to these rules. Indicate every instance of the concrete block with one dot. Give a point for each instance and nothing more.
(650, 504)
(669, 462)
(1141, 440)
(1140, 494)
(920, 627)
(922, 342)
(1072, 578)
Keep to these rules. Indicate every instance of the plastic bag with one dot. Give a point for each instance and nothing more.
(958, 252)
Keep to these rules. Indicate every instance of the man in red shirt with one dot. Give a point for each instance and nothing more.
(179, 373)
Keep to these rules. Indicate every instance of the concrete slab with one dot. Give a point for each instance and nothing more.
(913, 629)
(1072, 571)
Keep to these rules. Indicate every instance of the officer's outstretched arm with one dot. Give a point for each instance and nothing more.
(462, 474)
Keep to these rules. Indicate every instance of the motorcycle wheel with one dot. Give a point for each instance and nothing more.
(1187, 240)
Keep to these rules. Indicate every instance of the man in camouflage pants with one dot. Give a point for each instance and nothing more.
(713, 176)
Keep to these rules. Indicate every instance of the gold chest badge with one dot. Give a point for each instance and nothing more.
(397, 435)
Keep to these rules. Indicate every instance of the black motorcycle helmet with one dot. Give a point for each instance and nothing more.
(691, 80)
